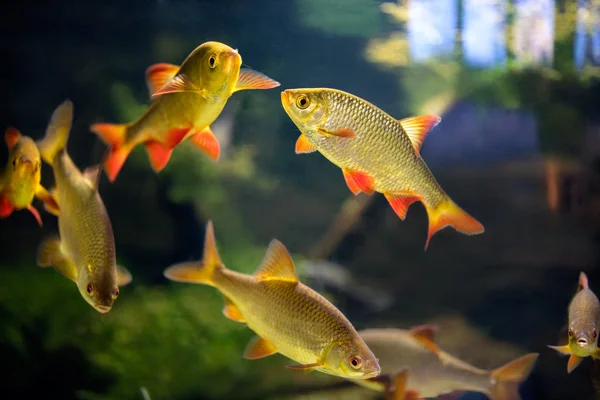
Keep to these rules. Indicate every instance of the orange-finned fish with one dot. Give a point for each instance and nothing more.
(288, 317)
(433, 372)
(584, 322)
(20, 180)
(85, 251)
(188, 99)
(376, 152)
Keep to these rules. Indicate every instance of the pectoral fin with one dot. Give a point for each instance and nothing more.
(305, 367)
(231, 311)
(206, 141)
(562, 349)
(179, 83)
(346, 133)
(50, 255)
(259, 348)
(50, 199)
(6, 208)
(157, 75)
(123, 276)
(36, 215)
(250, 79)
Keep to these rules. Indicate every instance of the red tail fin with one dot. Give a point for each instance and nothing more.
(509, 376)
(449, 213)
(113, 135)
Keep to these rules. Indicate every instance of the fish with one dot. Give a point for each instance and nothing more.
(20, 180)
(433, 372)
(288, 317)
(584, 320)
(85, 250)
(187, 99)
(376, 152)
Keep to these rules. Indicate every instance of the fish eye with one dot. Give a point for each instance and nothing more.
(15, 162)
(302, 101)
(212, 60)
(594, 334)
(90, 288)
(355, 362)
(116, 293)
(571, 332)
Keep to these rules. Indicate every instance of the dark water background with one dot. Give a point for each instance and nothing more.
(517, 86)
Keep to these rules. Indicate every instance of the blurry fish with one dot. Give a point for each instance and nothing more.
(288, 317)
(224, 126)
(584, 318)
(188, 99)
(20, 180)
(376, 152)
(85, 251)
(432, 372)
(327, 274)
(397, 388)
(145, 394)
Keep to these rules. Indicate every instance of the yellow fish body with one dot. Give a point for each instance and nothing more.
(376, 152)
(188, 99)
(431, 372)
(288, 317)
(584, 324)
(85, 251)
(20, 180)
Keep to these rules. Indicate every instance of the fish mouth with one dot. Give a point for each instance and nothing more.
(372, 374)
(103, 309)
(582, 342)
(25, 160)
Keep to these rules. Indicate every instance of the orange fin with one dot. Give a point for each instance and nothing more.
(49, 200)
(5, 207)
(250, 79)
(179, 83)
(425, 335)
(36, 214)
(206, 141)
(359, 181)
(277, 264)
(417, 128)
(231, 311)
(562, 349)
(157, 75)
(12, 136)
(115, 162)
(398, 388)
(175, 136)
(305, 367)
(111, 134)
(159, 155)
(346, 133)
(509, 377)
(583, 281)
(574, 361)
(259, 348)
(449, 213)
(401, 202)
(303, 145)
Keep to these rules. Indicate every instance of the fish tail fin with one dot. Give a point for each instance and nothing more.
(509, 376)
(114, 135)
(57, 132)
(448, 213)
(202, 271)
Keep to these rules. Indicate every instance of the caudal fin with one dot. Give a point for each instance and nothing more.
(200, 271)
(448, 213)
(57, 132)
(113, 135)
(509, 376)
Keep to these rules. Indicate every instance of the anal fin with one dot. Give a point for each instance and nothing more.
(206, 141)
(401, 202)
(50, 255)
(259, 348)
(231, 311)
(159, 154)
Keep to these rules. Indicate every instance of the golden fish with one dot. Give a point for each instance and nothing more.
(376, 152)
(584, 322)
(433, 372)
(188, 99)
(20, 180)
(85, 251)
(288, 317)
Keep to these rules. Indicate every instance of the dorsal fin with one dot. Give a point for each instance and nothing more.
(159, 74)
(12, 136)
(92, 175)
(417, 128)
(277, 264)
(583, 282)
(426, 335)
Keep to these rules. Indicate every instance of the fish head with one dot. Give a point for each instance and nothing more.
(25, 161)
(583, 337)
(98, 287)
(308, 108)
(351, 359)
(217, 67)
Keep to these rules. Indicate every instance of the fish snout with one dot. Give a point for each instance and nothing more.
(25, 160)
(230, 53)
(103, 308)
(285, 97)
(371, 369)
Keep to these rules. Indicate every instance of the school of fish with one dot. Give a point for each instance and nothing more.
(376, 153)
